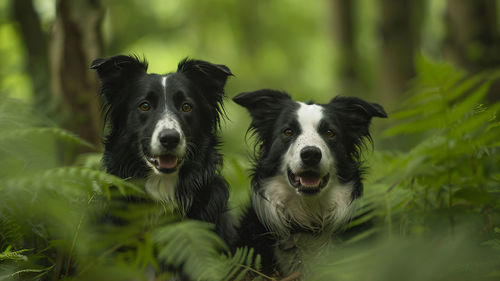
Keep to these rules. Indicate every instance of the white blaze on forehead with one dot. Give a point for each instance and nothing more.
(309, 116)
(167, 121)
(164, 82)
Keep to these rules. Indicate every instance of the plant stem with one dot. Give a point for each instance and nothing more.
(257, 272)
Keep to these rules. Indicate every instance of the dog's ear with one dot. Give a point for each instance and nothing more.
(264, 106)
(113, 68)
(210, 76)
(262, 102)
(356, 114)
(358, 109)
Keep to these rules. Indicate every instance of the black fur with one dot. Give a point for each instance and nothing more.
(125, 84)
(271, 111)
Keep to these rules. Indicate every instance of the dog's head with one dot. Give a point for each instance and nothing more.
(158, 117)
(307, 161)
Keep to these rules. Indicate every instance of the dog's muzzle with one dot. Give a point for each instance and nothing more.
(308, 182)
(168, 159)
(308, 179)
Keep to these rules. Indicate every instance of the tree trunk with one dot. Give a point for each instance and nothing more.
(76, 41)
(343, 22)
(473, 39)
(400, 35)
(35, 41)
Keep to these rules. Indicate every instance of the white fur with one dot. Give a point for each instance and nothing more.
(162, 187)
(164, 82)
(168, 121)
(309, 117)
(280, 206)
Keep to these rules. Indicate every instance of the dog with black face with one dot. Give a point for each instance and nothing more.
(306, 176)
(163, 129)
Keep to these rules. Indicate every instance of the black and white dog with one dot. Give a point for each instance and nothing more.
(306, 175)
(163, 129)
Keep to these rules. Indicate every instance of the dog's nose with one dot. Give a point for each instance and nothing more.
(310, 155)
(169, 138)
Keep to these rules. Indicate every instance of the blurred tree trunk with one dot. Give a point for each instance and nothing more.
(248, 13)
(400, 36)
(473, 40)
(76, 41)
(35, 41)
(343, 23)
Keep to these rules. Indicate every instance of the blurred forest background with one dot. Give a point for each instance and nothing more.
(434, 177)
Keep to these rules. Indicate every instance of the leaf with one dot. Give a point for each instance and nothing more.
(73, 176)
(30, 133)
(7, 254)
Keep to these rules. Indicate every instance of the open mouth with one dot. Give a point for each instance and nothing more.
(165, 163)
(308, 182)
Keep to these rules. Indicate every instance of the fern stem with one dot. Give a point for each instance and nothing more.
(249, 268)
(73, 244)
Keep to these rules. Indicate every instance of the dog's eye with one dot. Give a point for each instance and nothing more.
(288, 132)
(330, 133)
(186, 107)
(145, 106)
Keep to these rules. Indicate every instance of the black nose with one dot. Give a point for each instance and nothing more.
(310, 155)
(169, 138)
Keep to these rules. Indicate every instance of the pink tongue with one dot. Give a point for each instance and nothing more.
(310, 181)
(167, 162)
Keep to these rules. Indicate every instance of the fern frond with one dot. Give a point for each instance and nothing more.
(8, 255)
(33, 133)
(192, 244)
(85, 178)
(202, 254)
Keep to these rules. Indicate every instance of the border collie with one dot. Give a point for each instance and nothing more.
(163, 129)
(306, 175)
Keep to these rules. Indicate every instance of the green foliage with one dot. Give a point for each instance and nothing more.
(448, 175)
(435, 203)
(193, 245)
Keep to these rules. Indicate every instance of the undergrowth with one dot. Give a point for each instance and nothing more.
(433, 205)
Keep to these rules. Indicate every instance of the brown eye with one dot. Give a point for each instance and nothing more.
(288, 132)
(330, 134)
(186, 107)
(145, 106)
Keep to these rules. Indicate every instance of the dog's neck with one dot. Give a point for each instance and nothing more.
(283, 211)
(161, 187)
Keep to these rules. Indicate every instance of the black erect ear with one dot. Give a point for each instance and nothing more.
(262, 101)
(359, 108)
(357, 114)
(110, 69)
(264, 106)
(211, 77)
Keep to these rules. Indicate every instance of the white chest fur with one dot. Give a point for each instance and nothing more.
(280, 207)
(161, 187)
